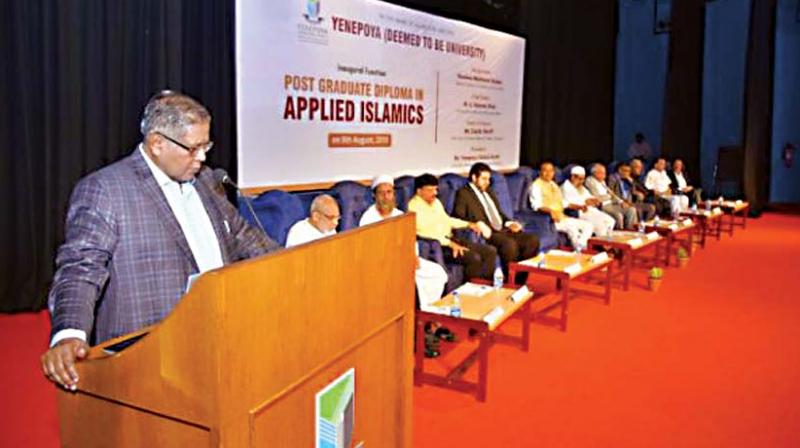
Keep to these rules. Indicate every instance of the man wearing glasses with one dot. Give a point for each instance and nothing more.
(137, 230)
(322, 221)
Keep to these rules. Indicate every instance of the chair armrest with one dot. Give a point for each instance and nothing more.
(431, 250)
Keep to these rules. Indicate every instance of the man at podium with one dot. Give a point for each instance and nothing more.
(137, 231)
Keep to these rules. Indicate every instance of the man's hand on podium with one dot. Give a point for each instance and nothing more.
(58, 363)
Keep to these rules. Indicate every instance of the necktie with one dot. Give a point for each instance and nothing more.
(494, 217)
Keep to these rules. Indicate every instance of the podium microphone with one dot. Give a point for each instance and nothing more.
(221, 177)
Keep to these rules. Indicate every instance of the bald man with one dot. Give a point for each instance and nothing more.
(322, 221)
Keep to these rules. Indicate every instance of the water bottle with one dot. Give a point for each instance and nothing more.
(721, 200)
(694, 208)
(455, 308)
(641, 227)
(498, 278)
(708, 204)
(657, 220)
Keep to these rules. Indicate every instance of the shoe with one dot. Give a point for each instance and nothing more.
(431, 353)
(431, 346)
(445, 334)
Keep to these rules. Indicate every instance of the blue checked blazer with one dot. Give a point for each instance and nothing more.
(125, 260)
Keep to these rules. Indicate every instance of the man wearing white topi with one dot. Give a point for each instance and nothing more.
(577, 197)
(430, 277)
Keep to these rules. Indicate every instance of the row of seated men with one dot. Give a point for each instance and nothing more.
(601, 203)
(580, 207)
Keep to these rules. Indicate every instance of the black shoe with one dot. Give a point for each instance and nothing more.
(445, 334)
(431, 346)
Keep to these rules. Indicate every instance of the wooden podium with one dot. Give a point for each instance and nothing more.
(240, 359)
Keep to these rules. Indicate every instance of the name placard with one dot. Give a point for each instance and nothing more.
(492, 316)
(573, 269)
(519, 294)
(636, 242)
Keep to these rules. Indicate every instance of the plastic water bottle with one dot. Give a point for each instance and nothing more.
(721, 200)
(455, 308)
(694, 208)
(657, 220)
(498, 278)
(708, 204)
(641, 227)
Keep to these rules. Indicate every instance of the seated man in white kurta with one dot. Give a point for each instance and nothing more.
(545, 197)
(659, 183)
(430, 277)
(578, 197)
(322, 221)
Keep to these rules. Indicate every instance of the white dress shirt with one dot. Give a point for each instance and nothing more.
(371, 215)
(193, 219)
(303, 232)
(680, 180)
(657, 181)
(574, 196)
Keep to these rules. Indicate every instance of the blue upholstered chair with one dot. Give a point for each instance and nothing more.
(519, 184)
(277, 210)
(403, 191)
(561, 175)
(449, 184)
(432, 250)
(501, 189)
(353, 198)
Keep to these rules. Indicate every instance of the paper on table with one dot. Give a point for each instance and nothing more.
(599, 258)
(492, 316)
(652, 235)
(444, 310)
(636, 242)
(573, 269)
(519, 294)
(673, 227)
(473, 289)
(687, 221)
(559, 253)
(717, 210)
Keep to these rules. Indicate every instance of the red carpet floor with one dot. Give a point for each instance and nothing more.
(710, 360)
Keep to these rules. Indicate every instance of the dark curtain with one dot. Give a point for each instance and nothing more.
(758, 103)
(684, 89)
(74, 78)
(569, 80)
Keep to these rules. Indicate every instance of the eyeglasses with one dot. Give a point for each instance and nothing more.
(332, 217)
(193, 150)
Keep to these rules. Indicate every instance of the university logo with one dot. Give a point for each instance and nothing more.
(312, 11)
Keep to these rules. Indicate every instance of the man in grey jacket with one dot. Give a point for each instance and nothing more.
(137, 231)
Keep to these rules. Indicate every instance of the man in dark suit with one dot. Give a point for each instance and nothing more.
(137, 230)
(477, 202)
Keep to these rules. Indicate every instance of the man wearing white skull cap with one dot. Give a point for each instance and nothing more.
(430, 277)
(578, 197)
